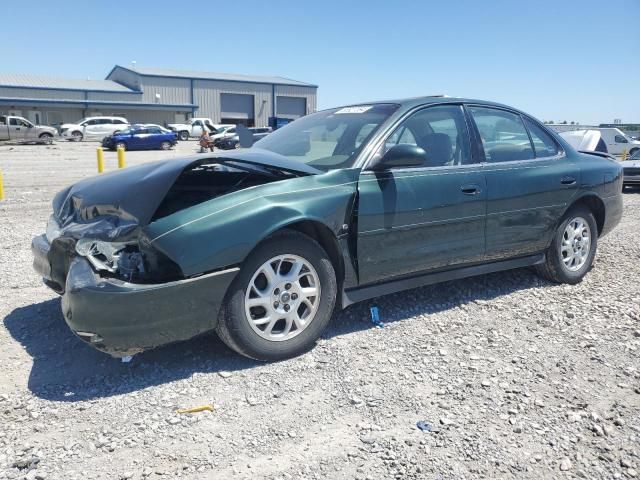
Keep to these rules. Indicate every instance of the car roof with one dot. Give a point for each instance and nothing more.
(431, 99)
(106, 116)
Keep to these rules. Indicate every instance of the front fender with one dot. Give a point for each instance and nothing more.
(223, 231)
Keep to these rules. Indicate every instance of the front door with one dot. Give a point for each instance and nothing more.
(417, 219)
(17, 129)
(530, 182)
(92, 129)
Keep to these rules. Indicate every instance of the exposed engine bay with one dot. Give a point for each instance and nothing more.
(109, 235)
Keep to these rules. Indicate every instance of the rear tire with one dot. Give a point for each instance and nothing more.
(165, 145)
(573, 248)
(283, 317)
(184, 136)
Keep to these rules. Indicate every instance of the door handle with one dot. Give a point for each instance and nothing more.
(568, 181)
(470, 189)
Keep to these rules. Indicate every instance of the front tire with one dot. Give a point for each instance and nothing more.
(282, 299)
(46, 138)
(573, 248)
(184, 136)
(77, 136)
(165, 145)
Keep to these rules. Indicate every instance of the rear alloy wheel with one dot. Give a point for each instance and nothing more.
(46, 138)
(573, 248)
(282, 299)
(165, 145)
(184, 136)
(77, 136)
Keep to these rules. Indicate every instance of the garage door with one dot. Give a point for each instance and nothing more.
(291, 107)
(236, 108)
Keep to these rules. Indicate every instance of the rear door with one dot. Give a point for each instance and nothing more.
(417, 219)
(530, 182)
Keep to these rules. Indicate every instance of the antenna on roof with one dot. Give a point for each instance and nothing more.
(133, 64)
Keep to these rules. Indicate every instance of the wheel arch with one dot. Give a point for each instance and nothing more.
(595, 204)
(325, 237)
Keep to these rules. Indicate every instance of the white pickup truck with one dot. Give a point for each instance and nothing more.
(18, 129)
(193, 128)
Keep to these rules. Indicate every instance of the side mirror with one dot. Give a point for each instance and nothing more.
(402, 155)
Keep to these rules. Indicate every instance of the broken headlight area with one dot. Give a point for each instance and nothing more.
(129, 261)
(121, 259)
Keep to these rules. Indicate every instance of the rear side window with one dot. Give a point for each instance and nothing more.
(503, 135)
(154, 130)
(543, 144)
(118, 122)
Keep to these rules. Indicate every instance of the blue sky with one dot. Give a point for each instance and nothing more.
(561, 60)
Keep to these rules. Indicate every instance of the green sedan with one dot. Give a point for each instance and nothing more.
(264, 244)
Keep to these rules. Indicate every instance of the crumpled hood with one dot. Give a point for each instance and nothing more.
(115, 205)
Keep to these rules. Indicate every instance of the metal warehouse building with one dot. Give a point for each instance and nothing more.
(155, 95)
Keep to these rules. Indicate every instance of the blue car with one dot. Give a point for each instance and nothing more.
(141, 138)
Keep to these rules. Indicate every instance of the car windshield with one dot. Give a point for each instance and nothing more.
(329, 139)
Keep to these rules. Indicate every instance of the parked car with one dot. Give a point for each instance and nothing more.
(20, 129)
(193, 128)
(589, 140)
(617, 141)
(141, 138)
(631, 168)
(150, 125)
(92, 128)
(230, 142)
(263, 244)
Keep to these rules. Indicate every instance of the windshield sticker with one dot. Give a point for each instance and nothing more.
(360, 109)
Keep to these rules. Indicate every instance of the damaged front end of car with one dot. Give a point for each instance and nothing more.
(119, 293)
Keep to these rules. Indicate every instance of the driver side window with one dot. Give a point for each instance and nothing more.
(441, 131)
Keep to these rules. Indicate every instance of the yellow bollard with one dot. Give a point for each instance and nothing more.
(624, 155)
(121, 161)
(1, 186)
(100, 158)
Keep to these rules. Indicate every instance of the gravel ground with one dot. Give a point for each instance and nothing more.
(514, 377)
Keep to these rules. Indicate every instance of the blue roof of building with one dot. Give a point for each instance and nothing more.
(26, 80)
(167, 72)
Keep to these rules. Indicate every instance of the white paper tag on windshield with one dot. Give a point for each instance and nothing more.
(360, 109)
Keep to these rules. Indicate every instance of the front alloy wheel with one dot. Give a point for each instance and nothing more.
(281, 300)
(282, 297)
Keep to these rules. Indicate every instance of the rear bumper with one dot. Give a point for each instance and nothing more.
(121, 318)
(631, 179)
